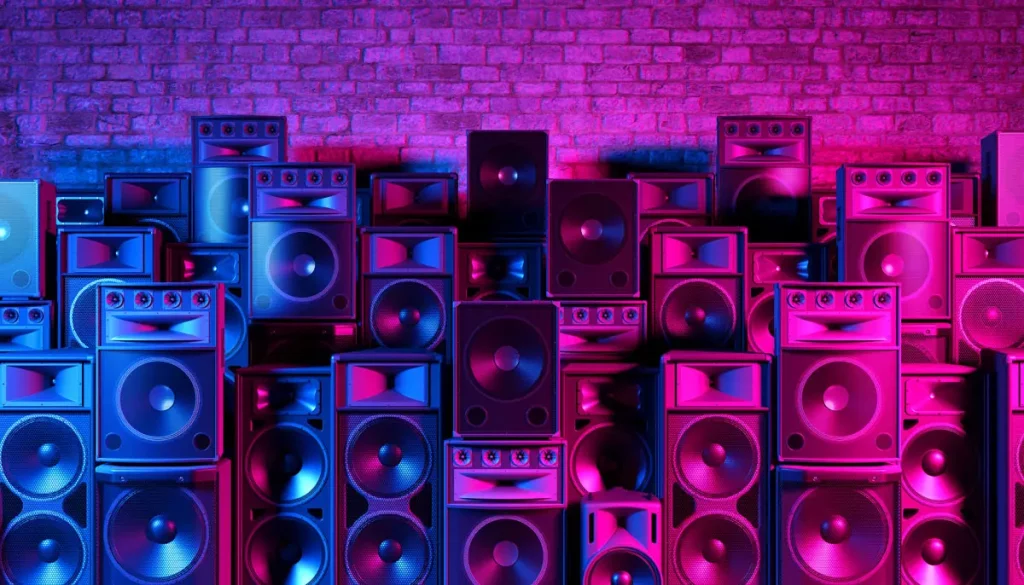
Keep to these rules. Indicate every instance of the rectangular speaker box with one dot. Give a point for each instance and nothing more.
(81, 207)
(621, 532)
(238, 140)
(161, 200)
(592, 242)
(414, 199)
(817, 509)
(926, 343)
(674, 198)
(507, 184)
(191, 504)
(772, 202)
(767, 264)
(220, 204)
(302, 191)
(26, 233)
(883, 192)
(287, 418)
(824, 215)
(380, 379)
(697, 287)
(507, 271)
(25, 325)
(300, 344)
(1002, 179)
(965, 199)
(761, 141)
(1004, 418)
(602, 328)
(506, 369)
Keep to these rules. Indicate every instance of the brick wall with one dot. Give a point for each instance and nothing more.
(620, 84)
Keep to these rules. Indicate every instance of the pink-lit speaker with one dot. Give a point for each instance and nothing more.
(715, 467)
(405, 199)
(926, 343)
(621, 538)
(824, 216)
(766, 265)
(837, 525)
(988, 291)
(299, 344)
(1002, 179)
(674, 198)
(505, 271)
(601, 328)
(1004, 418)
(943, 496)
(965, 199)
(838, 349)
(697, 287)
(894, 227)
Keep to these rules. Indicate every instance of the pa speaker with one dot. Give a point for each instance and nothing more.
(507, 185)
(1001, 179)
(420, 199)
(965, 199)
(25, 325)
(506, 271)
(766, 265)
(602, 329)
(824, 215)
(926, 343)
(1004, 418)
(621, 538)
(685, 199)
(27, 228)
(81, 207)
(161, 200)
(300, 343)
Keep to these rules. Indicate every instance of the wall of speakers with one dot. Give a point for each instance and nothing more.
(507, 184)
(504, 271)
(161, 200)
(414, 199)
(622, 538)
(26, 233)
(25, 325)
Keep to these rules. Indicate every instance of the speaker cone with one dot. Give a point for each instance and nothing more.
(158, 399)
(302, 265)
(286, 464)
(622, 566)
(388, 548)
(839, 399)
(592, 229)
(505, 550)
(286, 550)
(83, 310)
(388, 456)
(698, 313)
(235, 327)
(761, 323)
(157, 534)
(992, 315)
(939, 466)
(767, 201)
(717, 549)
(42, 457)
(717, 457)
(16, 224)
(407, 314)
(608, 456)
(508, 172)
(227, 200)
(897, 257)
(42, 549)
(839, 534)
(940, 550)
(507, 357)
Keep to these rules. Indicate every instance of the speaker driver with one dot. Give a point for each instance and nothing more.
(83, 310)
(286, 550)
(716, 457)
(42, 548)
(302, 265)
(508, 172)
(388, 456)
(717, 549)
(286, 464)
(940, 550)
(622, 566)
(897, 257)
(42, 457)
(938, 465)
(764, 202)
(839, 534)
(407, 314)
(388, 548)
(992, 314)
(158, 534)
(235, 327)
(507, 357)
(698, 313)
(158, 399)
(761, 323)
(228, 200)
(839, 399)
(609, 456)
(505, 550)
(592, 229)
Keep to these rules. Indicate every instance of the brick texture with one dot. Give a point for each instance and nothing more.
(92, 86)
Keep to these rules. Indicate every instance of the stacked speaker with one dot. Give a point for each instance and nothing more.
(27, 230)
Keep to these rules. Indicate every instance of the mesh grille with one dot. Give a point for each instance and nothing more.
(839, 534)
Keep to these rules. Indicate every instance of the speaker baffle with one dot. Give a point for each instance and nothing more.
(940, 550)
(698, 313)
(939, 466)
(714, 549)
(839, 534)
(992, 314)
(505, 550)
(286, 550)
(407, 314)
(622, 566)
(839, 399)
(42, 457)
(592, 229)
(302, 265)
(388, 548)
(507, 358)
(42, 548)
(228, 201)
(897, 257)
(508, 172)
(762, 324)
(286, 464)
(609, 456)
(717, 457)
(158, 399)
(388, 457)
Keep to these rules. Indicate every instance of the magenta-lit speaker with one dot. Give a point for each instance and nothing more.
(601, 328)
(838, 352)
(965, 199)
(1002, 179)
(161, 200)
(25, 325)
(697, 287)
(824, 216)
(988, 291)
(300, 344)
(837, 525)
(406, 199)
(766, 265)
(686, 199)
(894, 227)
(622, 533)
(504, 513)
(592, 243)
(506, 271)
(506, 369)
(942, 460)
(926, 343)
(507, 183)
(1004, 420)
(714, 459)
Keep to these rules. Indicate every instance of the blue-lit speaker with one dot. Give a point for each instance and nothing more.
(389, 521)
(223, 147)
(160, 373)
(25, 325)
(161, 200)
(94, 256)
(163, 525)
(46, 463)
(26, 227)
(78, 207)
(506, 271)
(285, 482)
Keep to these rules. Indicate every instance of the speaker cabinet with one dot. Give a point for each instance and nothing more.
(988, 291)
(504, 512)
(697, 287)
(506, 369)
(300, 344)
(838, 351)
(824, 215)
(943, 497)
(165, 524)
(965, 199)
(592, 243)
(46, 468)
(507, 184)
(285, 476)
(27, 227)
(622, 538)
(414, 199)
(506, 271)
(602, 328)
(93, 257)
(223, 147)
(81, 207)
(894, 227)
(1002, 178)
(766, 265)
(926, 343)
(714, 456)
(837, 525)
(686, 199)
(1005, 423)
(160, 371)
(25, 325)
(161, 200)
